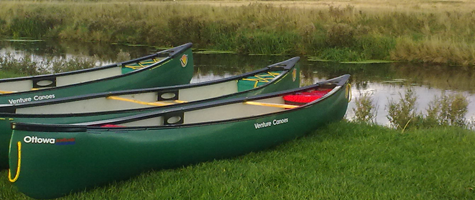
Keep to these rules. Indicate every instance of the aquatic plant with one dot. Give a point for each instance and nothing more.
(23, 65)
(402, 112)
(448, 110)
(365, 110)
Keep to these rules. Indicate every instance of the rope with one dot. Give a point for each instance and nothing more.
(17, 167)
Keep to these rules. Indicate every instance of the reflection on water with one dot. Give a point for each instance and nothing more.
(384, 82)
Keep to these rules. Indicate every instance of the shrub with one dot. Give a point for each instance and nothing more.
(448, 110)
(400, 114)
(365, 110)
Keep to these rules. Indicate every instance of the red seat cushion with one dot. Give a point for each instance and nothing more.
(305, 97)
(110, 126)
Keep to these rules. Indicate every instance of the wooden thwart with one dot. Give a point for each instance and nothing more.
(276, 105)
(6, 92)
(157, 103)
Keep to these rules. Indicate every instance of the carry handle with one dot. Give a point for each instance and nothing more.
(44, 82)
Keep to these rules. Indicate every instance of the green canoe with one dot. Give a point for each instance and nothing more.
(101, 106)
(49, 161)
(169, 67)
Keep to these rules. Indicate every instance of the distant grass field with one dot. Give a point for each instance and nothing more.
(422, 31)
(341, 161)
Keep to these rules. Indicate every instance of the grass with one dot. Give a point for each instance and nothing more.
(409, 31)
(342, 161)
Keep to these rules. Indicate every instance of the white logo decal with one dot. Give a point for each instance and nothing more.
(272, 123)
(28, 99)
(37, 140)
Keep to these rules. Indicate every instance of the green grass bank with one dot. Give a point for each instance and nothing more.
(338, 32)
(341, 161)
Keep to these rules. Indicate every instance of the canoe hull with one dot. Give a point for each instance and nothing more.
(168, 72)
(287, 81)
(104, 155)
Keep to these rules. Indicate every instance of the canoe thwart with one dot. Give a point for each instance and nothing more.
(257, 80)
(139, 65)
(156, 103)
(6, 92)
(276, 105)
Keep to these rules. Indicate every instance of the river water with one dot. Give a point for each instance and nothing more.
(384, 82)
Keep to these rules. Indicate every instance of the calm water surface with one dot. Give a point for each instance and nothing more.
(384, 82)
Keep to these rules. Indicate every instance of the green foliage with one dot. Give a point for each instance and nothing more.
(333, 32)
(266, 43)
(374, 47)
(26, 65)
(21, 66)
(402, 113)
(365, 110)
(185, 29)
(341, 54)
(76, 63)
(25, 27)
(448, 110)
(340, 35)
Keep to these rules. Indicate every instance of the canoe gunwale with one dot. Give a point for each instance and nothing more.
(8, 110)
(341, 81)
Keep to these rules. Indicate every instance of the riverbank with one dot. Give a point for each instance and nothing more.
(341, 161)
(440, 32)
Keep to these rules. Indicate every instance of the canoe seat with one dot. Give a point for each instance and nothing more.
(256, 80)
(134, 66)
(302, 98)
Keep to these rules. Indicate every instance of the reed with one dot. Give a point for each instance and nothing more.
(351, 32)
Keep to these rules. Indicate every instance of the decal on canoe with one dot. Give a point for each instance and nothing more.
(274, 122)
(184, 60)
(348, 92)
(29, 99)
(55, 141)
(294, 75)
